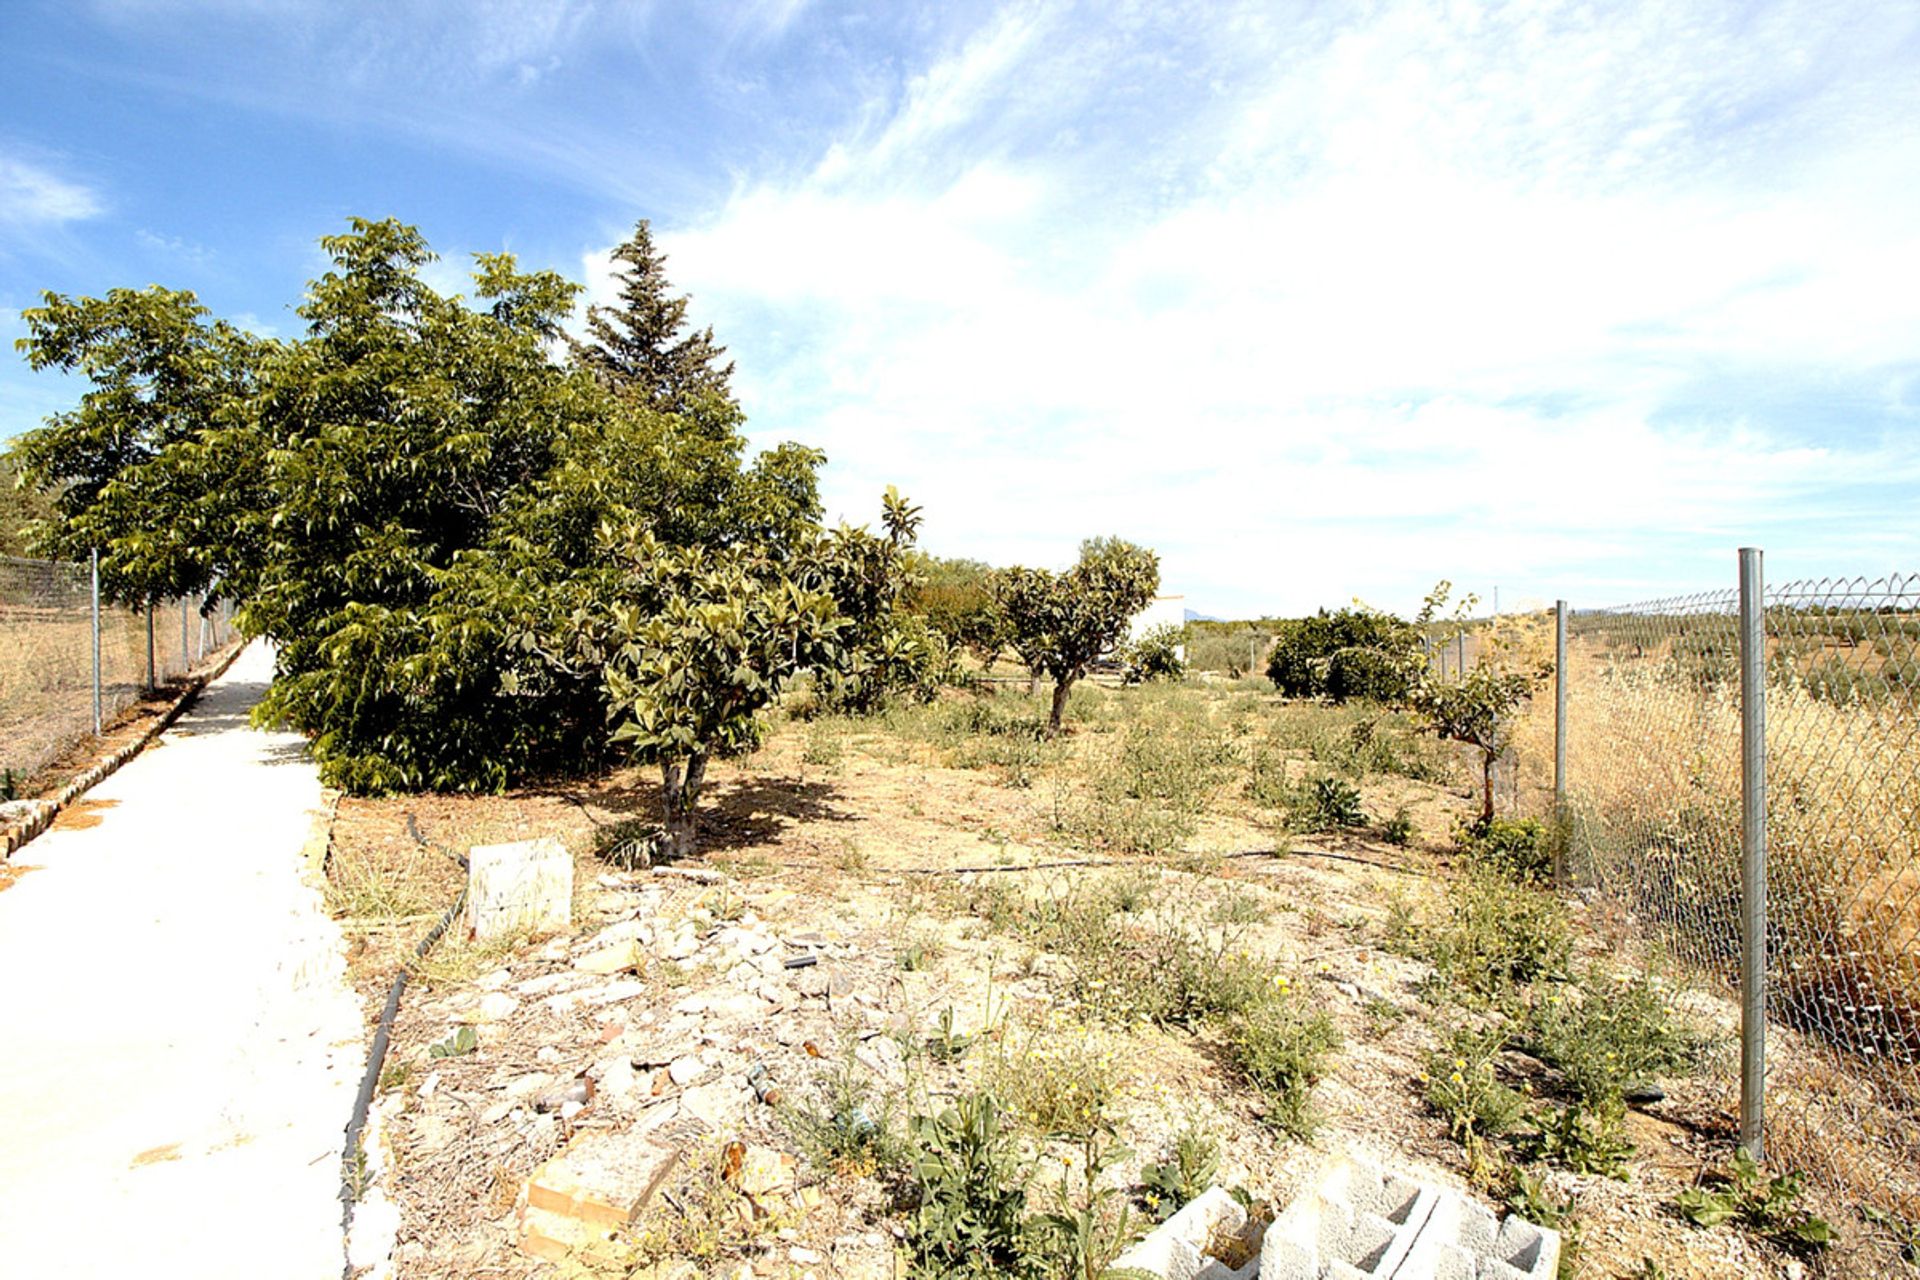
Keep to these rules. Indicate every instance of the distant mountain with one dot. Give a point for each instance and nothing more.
(1200, 617)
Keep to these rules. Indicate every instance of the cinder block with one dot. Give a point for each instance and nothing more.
(526, 885)
(601, 1179)
(1176, 1249)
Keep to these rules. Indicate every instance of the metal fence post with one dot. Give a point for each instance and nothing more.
(186, 656)
(1753, 851)
(1460, 654)
(95, 560)
(1560, 708)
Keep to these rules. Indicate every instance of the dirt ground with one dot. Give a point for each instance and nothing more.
(877, 864)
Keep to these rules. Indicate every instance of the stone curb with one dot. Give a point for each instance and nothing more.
(44, 810)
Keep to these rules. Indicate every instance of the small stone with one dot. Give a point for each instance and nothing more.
(720, 1105)
(496, 1006)
(804, 1256)
(685, 1070)
(547, 1056)
(494, 981)
(609, 960)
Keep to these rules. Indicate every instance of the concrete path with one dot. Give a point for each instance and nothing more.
(178, 1046)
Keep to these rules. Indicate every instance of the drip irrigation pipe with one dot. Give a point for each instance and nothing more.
(350, 1161)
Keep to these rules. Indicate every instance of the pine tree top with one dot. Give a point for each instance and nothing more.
(636, 347)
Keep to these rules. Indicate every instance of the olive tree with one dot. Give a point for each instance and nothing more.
(705, 641)
(1059, 623)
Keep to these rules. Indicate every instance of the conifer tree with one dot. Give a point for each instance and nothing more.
(637, 348)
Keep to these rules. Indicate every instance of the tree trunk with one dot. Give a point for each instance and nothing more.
(1060, 688)
(680, 791)
(1033, 682)
(1486, 789)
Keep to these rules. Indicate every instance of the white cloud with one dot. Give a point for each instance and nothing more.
(34, 196)
(1333, 310)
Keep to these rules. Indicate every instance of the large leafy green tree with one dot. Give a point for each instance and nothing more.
(1349, 653)
(705, 640)
(642, 347)
(158, 466)
(955, 598)
(1060, 623)
(22, 506)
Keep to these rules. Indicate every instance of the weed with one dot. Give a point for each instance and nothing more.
(629, 844)
(705, 1215)
(1497, 934)
(1283, 1051)
(1187, 1170)
(842, 1123)
(1382, 1016)
(947, 1043)
(1615, 1035)
(851, 859)
(1464, 1086)
(1056, 1083)
(1582, 1137)
(1325, 804)
(1398, 830)
(825, 745)
(970, 1191)
(1090, 1223)
(1765, 1206)
(1515, 847)
(457, 1044)
(1529, 1196)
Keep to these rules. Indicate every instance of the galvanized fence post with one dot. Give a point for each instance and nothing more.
(95, 561)
(1460, 654)
(151, 683)
(1753, 853)
(1561, 818)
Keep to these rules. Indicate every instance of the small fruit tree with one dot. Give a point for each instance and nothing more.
(1475, 707)
(703, 642)
(1059, 623)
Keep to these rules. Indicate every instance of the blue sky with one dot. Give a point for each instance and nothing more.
(1321, 301)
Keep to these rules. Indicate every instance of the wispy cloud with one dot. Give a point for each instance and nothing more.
(32, 195)
(1327, 307)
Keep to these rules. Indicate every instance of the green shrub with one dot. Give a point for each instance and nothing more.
(1463, 1085)
(1156, 655)
(1375, 655)
(1611, 1037)
(1283, 1050)
(970, 1194)
(1398, 830)
(1324, 804)
(1496, 934)
(1186, 1171)
(1765, 1206)
(1515, 847)
(1582, 1137)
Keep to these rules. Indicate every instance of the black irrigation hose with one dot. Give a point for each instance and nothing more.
(350, 1161)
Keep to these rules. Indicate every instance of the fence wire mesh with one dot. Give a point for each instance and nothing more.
(46, 657)
(1654, 798)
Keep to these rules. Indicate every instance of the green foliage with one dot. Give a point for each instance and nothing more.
(458, 1044)
(1515, 847)
(1398, 830)
(1351, 653)
(1060, 623)
(1581, 1137)
(1477, 709)
(956, 600)
(637, 349)
(1463, 1085)
(159, 465)
(1607, 1036)
(1283, 1050)
(1090, 1223)
(1155, 655)
(22, 506)
(1497, 934)
(970, 1194)
(1768, 1207)
(702, 643)
(1187, 1171)
(1325, 804)
(843, 1124)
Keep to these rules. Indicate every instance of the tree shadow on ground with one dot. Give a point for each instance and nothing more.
(737, 813)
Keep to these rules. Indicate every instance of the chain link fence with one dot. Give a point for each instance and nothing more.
(48, 643)
(1653, 795)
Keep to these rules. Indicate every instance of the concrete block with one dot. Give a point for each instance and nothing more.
(602, 1180)
(526, 885)
(1176, 1249)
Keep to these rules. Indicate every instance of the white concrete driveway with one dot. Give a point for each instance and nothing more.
(178, 1045)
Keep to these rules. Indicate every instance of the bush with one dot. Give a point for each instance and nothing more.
(970, 1191)
(1613, 1036)
(1183, 1175)
(1323, 804)
(1518, 848)
(1156, 655)
(1283, 1051)
(1765, 1206)
(1463, 1086)
(1354, 653)
(1497, 934)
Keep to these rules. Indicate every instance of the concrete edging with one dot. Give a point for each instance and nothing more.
(46, 810)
